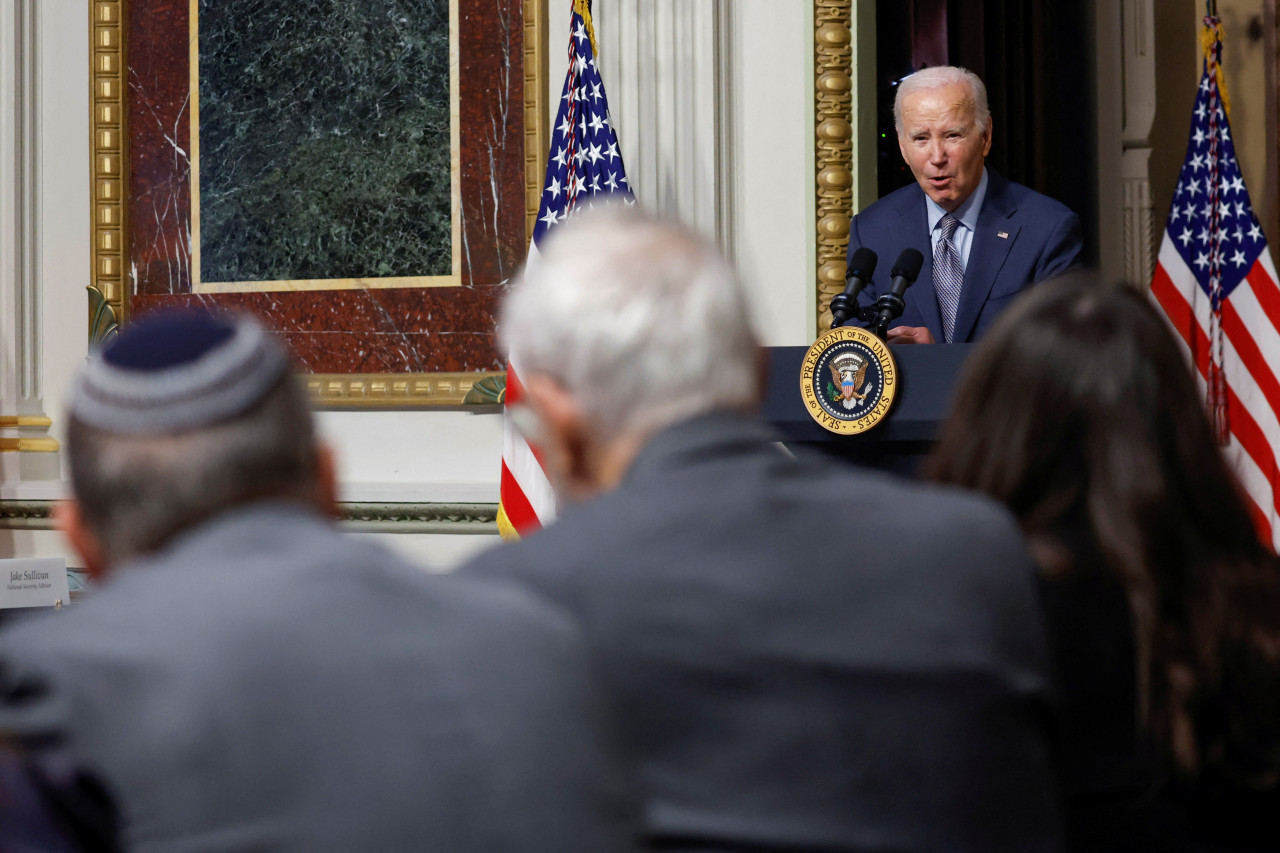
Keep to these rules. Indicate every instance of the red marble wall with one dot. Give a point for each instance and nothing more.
(400, 330)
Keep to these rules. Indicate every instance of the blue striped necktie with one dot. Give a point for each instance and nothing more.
(948, 275)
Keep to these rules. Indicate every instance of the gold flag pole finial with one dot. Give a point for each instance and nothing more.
(583, 8)
(1211, 36)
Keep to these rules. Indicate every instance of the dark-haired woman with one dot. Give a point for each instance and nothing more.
(1080, 413)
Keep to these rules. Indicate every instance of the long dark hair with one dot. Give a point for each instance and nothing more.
(1080, 412)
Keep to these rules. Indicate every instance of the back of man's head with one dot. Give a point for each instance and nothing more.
(641, 321)
(184, 416)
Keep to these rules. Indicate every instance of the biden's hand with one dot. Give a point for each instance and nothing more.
(910, 335)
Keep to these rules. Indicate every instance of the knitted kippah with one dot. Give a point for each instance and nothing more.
(177, 370)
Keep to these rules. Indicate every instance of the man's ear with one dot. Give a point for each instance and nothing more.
(326, 480)
(565, 444)
(69, 519)
(986, 147)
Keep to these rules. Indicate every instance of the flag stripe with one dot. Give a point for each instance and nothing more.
(1251, 357)
(1177, 311)
(514, 503)
(524, 480)
(1253, 483)
(1254, 454)
(1265, 291)
(1254, 442)
(1241, 385)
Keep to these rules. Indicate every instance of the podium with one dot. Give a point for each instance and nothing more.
(928, 376)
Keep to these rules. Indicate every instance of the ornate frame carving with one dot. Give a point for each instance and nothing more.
(107, 170)
(452, 518)
(108, 304)
(833, 146)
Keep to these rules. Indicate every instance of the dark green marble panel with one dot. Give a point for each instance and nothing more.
(324, 139)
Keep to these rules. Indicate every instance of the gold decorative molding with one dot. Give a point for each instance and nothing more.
(26, 515)
(28, 445)
(102, 318)
(25, 421)
(536, 121)
(453, 518)
(393, 389)
(833, 141)
(108, 168)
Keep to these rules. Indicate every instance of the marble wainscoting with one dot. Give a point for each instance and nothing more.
(401, 330)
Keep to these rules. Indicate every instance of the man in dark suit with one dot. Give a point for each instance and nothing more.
(246, 677)
(800, 656)
(984, 238)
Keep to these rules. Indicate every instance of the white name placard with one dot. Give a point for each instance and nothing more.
(33, 582)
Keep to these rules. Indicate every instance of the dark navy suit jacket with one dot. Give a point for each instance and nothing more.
(1022, 238)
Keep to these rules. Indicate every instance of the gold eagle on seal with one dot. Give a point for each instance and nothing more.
(849, 371)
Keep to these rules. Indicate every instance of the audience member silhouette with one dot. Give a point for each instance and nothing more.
(800, 657)
(1080, 412)
(247, 677)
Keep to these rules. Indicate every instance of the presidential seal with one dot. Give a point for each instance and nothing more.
(848, 380)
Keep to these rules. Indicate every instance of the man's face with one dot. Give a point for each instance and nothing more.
(941, 143)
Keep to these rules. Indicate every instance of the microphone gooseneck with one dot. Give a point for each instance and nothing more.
(857, 276)
(890, 305)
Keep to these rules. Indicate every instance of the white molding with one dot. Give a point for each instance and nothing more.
(22, 380)
(665, 65)
(1139, 217)
(1137, 54)
(723, 61)
(1139, 57)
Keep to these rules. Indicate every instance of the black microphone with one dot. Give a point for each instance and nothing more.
(856, 277)
(905, 270)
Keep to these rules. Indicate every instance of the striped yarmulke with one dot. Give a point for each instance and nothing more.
(177, 370)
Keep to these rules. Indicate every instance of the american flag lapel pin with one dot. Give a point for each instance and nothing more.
(1003, 235)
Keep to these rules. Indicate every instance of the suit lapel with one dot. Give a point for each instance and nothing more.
(992, 240)
(921, 294)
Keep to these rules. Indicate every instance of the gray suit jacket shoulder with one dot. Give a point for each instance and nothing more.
(806, 657)
(268, 683)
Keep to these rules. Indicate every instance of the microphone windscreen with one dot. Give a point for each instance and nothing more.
(862, 264)
(908, 264)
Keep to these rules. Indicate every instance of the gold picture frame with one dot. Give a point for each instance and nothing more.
(833, 40)
(109, 288)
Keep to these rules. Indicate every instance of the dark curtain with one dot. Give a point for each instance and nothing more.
(1036, 59)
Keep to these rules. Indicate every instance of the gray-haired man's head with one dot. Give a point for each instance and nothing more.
(635, 323)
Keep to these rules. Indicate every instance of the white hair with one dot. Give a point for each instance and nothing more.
(642, 321)
(936, 78)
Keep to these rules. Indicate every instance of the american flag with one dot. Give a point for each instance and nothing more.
(583, 163)
(1217, 284)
